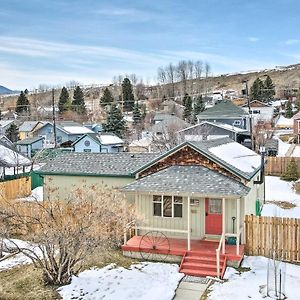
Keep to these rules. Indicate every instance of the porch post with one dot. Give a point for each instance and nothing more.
(223, 224)
(189, 223)
(135, 202)
(238, 217)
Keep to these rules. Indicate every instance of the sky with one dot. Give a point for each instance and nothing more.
(91, 41)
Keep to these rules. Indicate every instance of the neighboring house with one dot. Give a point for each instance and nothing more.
(142, 145)
(271, 147)
(72, 170)
(97, 143)
(4, 125)
(196, 191)
(26, 129)
(284, 123)
(94, 127)
(227, 113)
(296, 126)
(11, 161)
(165, 126)
(30, 146)
(5, 140)
(260, 112)
(213, 130)
(66, 132)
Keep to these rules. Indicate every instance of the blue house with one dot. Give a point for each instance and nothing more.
(29, 146)
(99, 143)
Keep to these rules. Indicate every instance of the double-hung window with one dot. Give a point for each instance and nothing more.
(167, 206)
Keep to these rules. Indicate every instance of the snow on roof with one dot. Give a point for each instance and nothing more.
(283, 121)
(238, 156)
(140, 143)
(4, 123)
(10, 158)
(77, 129)
(109, 139)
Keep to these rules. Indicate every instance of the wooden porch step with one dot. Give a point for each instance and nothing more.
(205, 259)
(199, 266)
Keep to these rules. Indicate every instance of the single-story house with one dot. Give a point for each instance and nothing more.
(226, 112)
(4, 125)
(142, 145)
(11, 161)
(260, 112)
(30, 146)
(213, 130)
(26, 128)
(193, 192)
(105, 142)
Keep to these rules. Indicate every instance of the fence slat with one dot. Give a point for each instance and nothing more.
(15, 188)
(276, 166)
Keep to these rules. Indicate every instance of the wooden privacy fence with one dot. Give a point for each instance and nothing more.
(263, 235)
(15, 188)
(276, 166)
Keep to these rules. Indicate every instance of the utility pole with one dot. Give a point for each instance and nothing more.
(53, 117)
(250, 115)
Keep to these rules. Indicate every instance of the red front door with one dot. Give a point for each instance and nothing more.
(213, 216)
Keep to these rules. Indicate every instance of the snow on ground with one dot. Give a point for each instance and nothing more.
(278, 190)
(18, 259)
(247, 285)
(282, 148)
(296, 152)
(238, 156)
(37, 194)
(284, 122)
(144, 281)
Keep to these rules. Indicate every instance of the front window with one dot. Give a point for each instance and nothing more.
(215, 206)
(167, 206)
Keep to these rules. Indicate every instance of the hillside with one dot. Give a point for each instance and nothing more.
(4, 90)
(285, 78)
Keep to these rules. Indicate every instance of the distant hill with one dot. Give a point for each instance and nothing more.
(4, 90)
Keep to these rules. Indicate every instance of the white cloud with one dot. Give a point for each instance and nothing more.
(253, 39)
(292, 42)
(118, 12)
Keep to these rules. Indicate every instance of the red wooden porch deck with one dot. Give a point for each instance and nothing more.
(179, 247)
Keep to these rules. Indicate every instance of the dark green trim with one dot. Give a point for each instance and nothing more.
(85, 174)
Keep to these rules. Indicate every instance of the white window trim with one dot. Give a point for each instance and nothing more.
(162, 207)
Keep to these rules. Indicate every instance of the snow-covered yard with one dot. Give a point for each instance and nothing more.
(247, 285)
(36, 195)
(278, 191)
(143, 281)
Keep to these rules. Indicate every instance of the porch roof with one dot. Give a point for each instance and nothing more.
(189, 180)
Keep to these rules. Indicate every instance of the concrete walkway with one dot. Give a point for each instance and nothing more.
(190, 289)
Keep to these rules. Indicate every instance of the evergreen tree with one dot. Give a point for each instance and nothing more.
(115, 122)
(269, 90)
(288, 110)
(137, 117)
(144, 111)
(188, 108)
(0, 115)
(291, 173)
(127, 95)
(12, 133)
(22, 104)
(78, 103)
(64, 99)
(26, 92)
(256, 90)
(106, 98)
(199, 105)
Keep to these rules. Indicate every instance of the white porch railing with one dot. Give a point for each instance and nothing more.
(221, 244)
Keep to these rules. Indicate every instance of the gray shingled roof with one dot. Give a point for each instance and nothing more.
(223, 109)
(29, 141)
(168, 120)
(27, 126)
(184, 180)
(97, 164)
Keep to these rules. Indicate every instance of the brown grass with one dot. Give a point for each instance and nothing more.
(282, 204)
(25, 282)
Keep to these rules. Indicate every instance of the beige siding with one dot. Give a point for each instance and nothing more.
(145, 207)
(62, 186)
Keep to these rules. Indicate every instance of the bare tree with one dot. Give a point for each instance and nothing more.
(190, 66)
(62, 233)
(198, 69)
(170, 72)
(182, 74)
(207, 73)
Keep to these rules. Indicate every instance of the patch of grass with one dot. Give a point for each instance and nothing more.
(25, 283)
